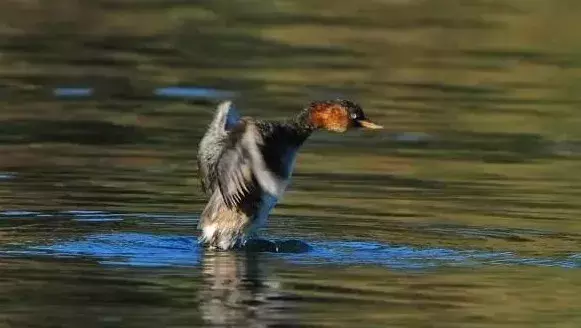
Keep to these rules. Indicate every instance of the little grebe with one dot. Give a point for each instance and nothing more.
(246, 164)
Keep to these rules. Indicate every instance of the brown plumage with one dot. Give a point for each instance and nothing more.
(332, 117)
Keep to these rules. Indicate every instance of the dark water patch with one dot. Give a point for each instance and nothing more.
(514, 234)
(493, 147)
(488, 147)
(75, 132)
(366, 178)
(447, 88)
(524, 55)
(370, 23)
(343, 210)
(489, 100)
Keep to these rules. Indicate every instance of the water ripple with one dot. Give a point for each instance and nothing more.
(132, 249)
(138, 249)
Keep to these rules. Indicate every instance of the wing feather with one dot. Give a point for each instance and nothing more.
(241, 168)
(213, 142)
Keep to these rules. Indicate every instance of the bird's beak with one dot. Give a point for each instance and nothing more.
(369, 125)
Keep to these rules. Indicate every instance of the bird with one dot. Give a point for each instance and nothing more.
(246, 164)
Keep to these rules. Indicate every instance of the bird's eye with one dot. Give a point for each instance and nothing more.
(353, 115)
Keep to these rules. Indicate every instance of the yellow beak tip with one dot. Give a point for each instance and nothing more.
(370, 125)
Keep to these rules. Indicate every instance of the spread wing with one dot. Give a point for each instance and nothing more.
(226, 117)
(241, 167)
(212, 144)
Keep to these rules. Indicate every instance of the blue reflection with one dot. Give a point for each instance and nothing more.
(73, 92)
(136, 249)
(193, 92)
(133, 249)
(179, 92)
(16, 213)
(93, 216)
(7, 176)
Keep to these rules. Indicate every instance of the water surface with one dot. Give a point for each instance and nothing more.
(464, 212)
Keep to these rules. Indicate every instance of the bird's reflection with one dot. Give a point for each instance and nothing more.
(238, 289)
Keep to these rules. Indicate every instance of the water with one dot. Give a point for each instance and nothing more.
(463, 213)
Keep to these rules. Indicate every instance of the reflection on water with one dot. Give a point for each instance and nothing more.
(240, 289)
(176, 92)
(464, 212)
